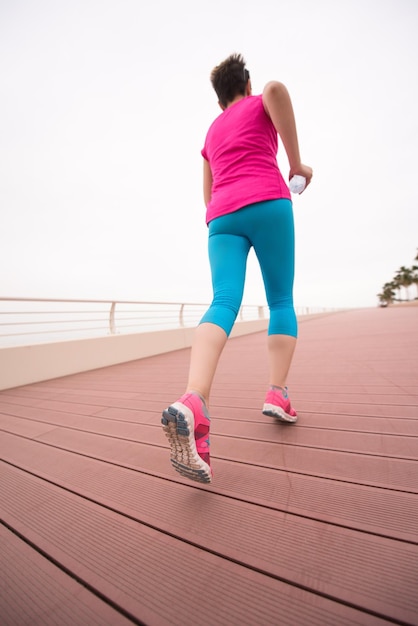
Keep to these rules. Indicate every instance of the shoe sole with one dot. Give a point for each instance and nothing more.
(279, 414)
(178, 426)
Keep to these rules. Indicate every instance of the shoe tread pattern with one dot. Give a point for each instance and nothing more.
(184, 457)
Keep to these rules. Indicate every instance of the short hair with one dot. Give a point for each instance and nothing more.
(229, 79)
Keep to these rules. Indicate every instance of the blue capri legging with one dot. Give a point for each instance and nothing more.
(269, 228)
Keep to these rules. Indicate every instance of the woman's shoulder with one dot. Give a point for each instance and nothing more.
(273, 86)
(272, 90)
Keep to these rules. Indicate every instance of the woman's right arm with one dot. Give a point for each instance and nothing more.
(278, 107)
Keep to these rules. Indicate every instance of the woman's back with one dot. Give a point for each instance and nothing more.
(241, 148)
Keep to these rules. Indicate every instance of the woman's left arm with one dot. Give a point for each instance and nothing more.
(207, 182)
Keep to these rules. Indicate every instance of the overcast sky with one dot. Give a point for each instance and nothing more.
(104, 109)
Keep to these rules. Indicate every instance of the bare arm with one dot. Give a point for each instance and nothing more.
(207, 182)
(278, 107)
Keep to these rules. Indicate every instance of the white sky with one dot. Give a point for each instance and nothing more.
(104, 108)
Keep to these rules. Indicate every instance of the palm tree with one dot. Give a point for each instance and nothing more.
(404, 279)
(388, 294)
(414, 281)
(397, 287)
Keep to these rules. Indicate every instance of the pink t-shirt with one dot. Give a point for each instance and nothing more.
(241, 148)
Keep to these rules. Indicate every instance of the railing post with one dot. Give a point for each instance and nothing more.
(181, 318)
(112, 324)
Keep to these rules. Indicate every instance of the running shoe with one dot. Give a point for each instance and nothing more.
(277, 404)
(186, 425)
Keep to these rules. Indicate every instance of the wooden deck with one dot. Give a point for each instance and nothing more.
(315, 523)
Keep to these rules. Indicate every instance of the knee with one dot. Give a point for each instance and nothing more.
(228, 301)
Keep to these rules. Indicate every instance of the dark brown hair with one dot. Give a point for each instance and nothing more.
(229, 79)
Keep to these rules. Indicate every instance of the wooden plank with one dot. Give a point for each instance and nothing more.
(228, 395)
(383, 512)
(135, 426)
(378, 471)
(250, 410)
(161, 579)
(35, 591)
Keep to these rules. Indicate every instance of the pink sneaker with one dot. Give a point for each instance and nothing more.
(277, 404)
(186, 425)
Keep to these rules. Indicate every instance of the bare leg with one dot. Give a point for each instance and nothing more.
(208, 343)
(280, 349)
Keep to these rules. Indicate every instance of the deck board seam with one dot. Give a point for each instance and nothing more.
(228, 436)
(222, 420)
(222, 458)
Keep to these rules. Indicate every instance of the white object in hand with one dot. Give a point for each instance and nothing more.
(297, 183)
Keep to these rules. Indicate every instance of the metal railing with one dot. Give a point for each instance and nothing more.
(34, 320)
(37, 320)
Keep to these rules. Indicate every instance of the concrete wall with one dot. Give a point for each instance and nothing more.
(22, 365)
